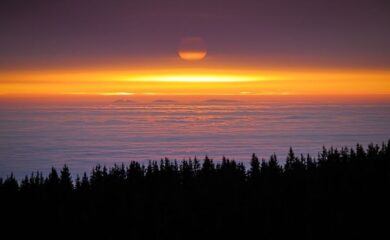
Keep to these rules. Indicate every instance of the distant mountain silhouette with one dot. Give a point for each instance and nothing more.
(221, 101)
(164, 101)
(123, 102)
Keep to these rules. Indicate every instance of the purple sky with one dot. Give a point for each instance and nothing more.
(342, 33)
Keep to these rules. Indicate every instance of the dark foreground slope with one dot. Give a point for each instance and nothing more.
(340, 194)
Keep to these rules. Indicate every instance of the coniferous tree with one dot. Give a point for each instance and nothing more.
(254, 171)
(10, 184)
(53, 180)
(66, 179)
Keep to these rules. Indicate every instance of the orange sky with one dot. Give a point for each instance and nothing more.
(203, 47)
(194, 81)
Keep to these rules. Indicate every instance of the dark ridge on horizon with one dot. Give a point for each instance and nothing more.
(164, 101)
(343, 193)
(170, 101)
(123, 102)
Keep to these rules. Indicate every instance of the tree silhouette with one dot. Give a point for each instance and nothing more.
(342, 193)
(66, 179)
(254, 171)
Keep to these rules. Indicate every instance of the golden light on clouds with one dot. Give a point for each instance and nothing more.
(196, 78)
(116, 94)
(195, 82)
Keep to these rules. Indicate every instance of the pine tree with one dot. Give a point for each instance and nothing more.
(254, 171)
(66, 179)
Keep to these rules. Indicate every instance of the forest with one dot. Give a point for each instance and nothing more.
(339, 194)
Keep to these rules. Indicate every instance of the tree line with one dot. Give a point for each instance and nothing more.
(341, 193)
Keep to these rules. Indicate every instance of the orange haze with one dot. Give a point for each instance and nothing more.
(193, 81)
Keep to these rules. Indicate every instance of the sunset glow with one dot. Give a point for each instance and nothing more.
(195, 81)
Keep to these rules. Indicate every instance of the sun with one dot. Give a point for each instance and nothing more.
(192, 49)
(192, 55)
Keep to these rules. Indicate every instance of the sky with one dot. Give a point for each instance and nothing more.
(249, 47)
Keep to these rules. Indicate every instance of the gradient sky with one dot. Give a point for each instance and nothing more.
(259, 47)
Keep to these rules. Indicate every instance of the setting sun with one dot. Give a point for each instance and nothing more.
(192, 56)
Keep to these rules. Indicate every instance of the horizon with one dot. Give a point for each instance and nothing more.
(109, 99)
(195, 82)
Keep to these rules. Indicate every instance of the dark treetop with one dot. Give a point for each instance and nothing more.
(341, 194)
